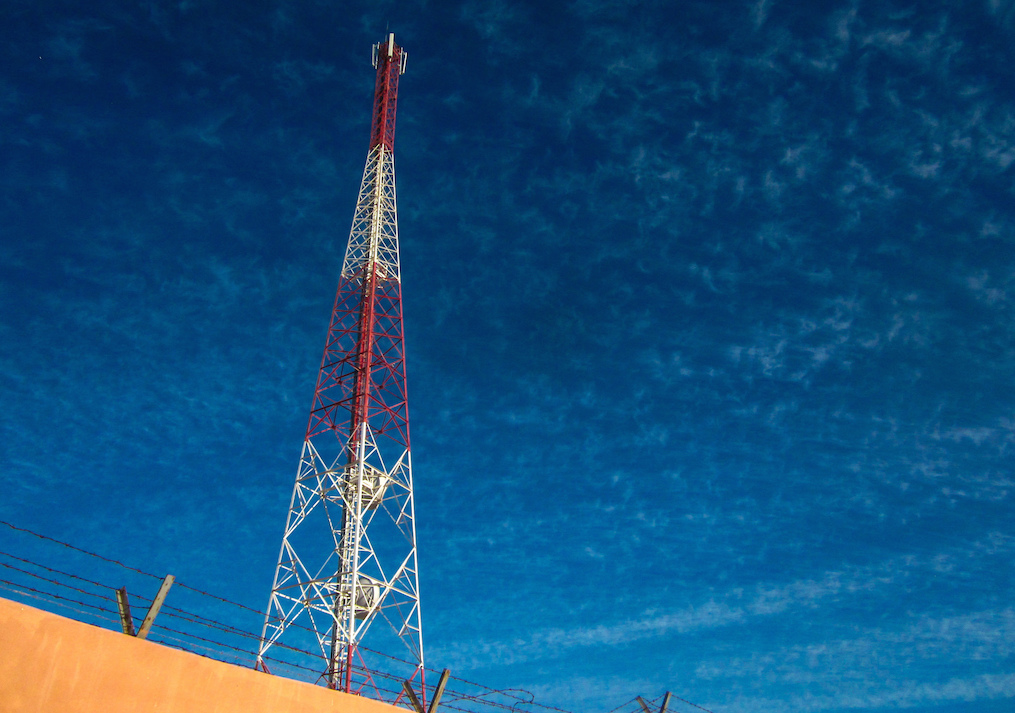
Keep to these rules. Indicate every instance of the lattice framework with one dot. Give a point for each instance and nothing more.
(348, 554)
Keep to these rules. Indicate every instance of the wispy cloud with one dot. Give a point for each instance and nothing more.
(707, 314)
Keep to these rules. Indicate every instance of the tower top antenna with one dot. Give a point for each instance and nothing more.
(389, 60)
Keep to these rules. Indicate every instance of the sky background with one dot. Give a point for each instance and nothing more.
(708, 311)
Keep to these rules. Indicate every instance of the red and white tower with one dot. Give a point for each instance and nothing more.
(348, 557)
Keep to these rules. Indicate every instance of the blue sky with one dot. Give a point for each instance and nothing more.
(708, 312)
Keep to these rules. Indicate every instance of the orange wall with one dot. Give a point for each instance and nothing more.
(52, 664)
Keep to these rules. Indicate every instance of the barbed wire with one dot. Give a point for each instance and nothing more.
(47, 598)
(623, 705)
(695, 705)
(54, 584)
(658, 701)
(192, 636)
(78, 549)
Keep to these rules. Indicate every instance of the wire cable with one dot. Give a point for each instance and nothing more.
(183, 639)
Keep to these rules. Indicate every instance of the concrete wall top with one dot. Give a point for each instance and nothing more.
(51, 663)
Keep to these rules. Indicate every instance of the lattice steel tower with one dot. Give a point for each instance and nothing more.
(348, 556)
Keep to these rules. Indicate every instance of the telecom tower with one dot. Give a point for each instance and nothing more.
(348, 556)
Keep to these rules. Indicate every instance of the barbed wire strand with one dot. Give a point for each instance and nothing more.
(197, 619)
(623, 705)
(48, 598)
(672, 695)
(205, 621)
